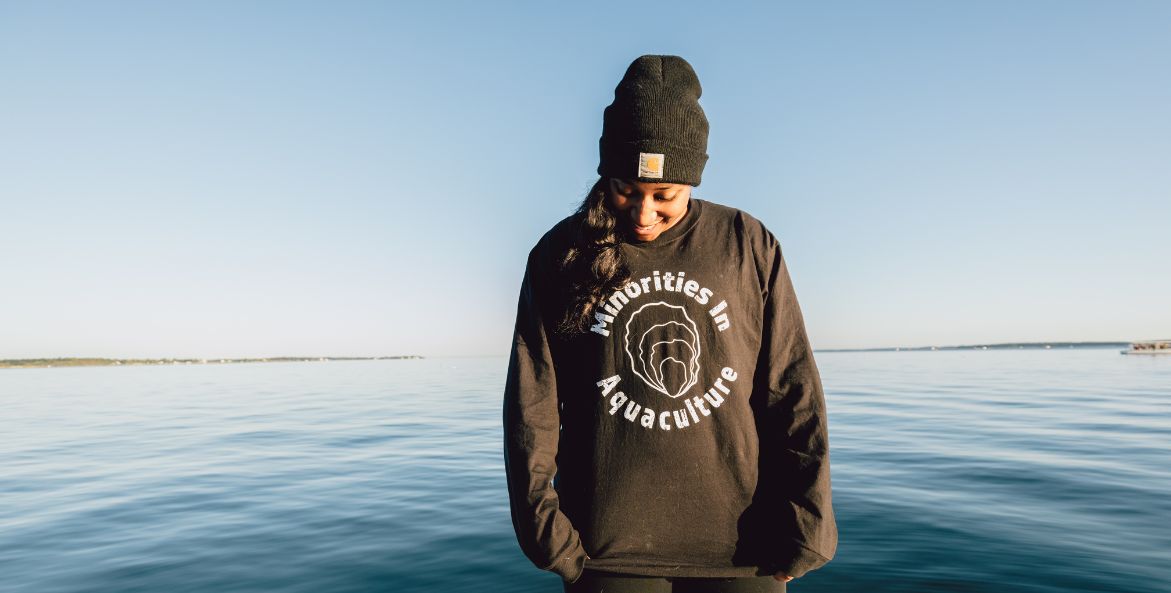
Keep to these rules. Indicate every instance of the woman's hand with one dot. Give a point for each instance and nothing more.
(782, 577)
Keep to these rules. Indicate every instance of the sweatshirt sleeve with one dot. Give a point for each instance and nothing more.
(531, 433)
(794, 430)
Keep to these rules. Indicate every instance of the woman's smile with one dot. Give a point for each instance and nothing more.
(646, 230)
(662, 203)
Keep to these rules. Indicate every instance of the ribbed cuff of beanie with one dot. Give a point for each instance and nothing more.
(680, 164)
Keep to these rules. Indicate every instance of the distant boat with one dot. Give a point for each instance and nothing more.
(1149, 347)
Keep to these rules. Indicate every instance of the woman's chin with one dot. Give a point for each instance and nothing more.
(640, 235)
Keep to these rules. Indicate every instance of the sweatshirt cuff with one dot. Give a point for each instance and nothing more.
(569, 567)
(802, 561)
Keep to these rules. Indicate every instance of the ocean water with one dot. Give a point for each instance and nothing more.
(957, 471)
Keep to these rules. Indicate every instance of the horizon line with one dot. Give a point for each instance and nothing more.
(288, 358)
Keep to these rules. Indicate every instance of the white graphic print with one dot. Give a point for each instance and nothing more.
(665, 355)
(666, 282)
(662, 345)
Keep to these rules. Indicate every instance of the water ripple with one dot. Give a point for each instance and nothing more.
(1031, 471)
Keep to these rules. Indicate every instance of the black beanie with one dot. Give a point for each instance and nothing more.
(655, 129)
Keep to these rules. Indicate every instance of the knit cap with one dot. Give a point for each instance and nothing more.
(655, 130)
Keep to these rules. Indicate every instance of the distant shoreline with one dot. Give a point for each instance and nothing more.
(17, 363)
(1000, 346)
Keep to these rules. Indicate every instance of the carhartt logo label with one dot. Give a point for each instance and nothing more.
(650, 165)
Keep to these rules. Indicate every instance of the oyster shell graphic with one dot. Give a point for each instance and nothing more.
(662, 343)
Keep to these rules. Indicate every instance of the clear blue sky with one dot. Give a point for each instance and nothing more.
(366, 178)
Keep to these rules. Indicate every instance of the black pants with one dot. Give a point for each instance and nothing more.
(592, 581)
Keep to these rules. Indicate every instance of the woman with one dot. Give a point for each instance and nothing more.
(665, 426)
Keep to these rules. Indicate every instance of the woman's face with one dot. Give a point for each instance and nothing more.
(645, 210)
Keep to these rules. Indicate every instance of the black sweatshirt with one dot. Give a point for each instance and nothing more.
(685, 434)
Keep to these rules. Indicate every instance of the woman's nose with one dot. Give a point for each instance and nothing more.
(647, 216)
